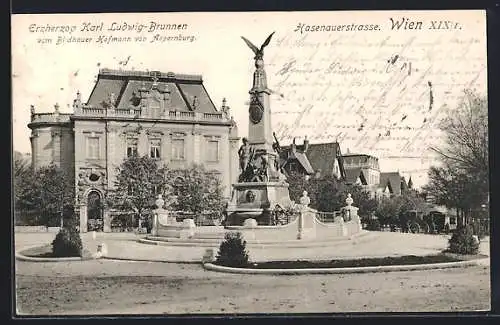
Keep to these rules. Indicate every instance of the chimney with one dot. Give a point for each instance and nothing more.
(306, 144)
(293, 147)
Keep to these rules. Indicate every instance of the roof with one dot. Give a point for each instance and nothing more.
(393, 179)
(322, 157)
(302, 158)
(125, 86)
(287, 155)
(352, 174)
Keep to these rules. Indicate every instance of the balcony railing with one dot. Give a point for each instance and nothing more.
(138, 113)
(50, 118)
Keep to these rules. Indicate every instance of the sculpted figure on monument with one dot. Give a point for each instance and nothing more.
(245, 153)
(259, 53)
(262, 175)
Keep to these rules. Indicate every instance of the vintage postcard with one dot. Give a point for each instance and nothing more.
(250, 162)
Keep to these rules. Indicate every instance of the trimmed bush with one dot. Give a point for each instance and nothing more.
(463, 242)
(232, 251)
(67, 243)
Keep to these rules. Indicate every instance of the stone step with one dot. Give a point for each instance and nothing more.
(215, 242)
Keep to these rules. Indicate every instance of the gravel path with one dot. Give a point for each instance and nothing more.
(107, 287)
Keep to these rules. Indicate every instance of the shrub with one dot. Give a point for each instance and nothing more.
(232, 251)
(67, 243)
(463, 242)
(373, 224)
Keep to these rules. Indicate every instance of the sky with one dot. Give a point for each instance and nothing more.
(374, 87)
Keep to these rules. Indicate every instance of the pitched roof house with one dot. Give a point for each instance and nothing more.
(313, 159)
(394, 182)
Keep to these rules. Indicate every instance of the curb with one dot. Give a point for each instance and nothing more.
(21, 257)
(345, 270)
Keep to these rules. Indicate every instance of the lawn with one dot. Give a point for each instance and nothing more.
(362, 262)
(45, 251)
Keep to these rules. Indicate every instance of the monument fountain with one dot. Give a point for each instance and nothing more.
(261, 189)
(260, 197)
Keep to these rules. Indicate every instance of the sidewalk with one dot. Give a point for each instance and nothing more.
(125, 246)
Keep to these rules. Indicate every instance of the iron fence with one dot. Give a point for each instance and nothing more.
(200, 219)
(327, 217)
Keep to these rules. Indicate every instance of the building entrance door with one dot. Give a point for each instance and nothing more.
(95, 219)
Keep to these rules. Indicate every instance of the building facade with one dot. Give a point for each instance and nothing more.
(364, 170)
(167, 116)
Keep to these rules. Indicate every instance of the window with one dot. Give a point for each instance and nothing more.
(213, 150)
(157, 189)
(94, 177)
(132, 148)
(93, 147)
(154, 149)
(178, 149)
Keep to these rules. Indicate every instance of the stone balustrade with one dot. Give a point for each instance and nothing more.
(50, 118)
(125, 113)
(170, 115)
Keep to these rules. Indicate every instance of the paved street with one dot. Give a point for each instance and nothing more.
(124, 287)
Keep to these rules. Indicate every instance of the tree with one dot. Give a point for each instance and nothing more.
(329, 194)
(47, 191)
(197, 190)
(361, 198)
(394, 211)
(387, 211)
(137, 184)
(462, 181)
(455, 189)
(297, 184)
(21, 172)
(324, 193)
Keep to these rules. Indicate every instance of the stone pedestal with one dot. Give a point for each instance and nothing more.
(343, 229)
(188, 228)
(154, 229)
(83, 218)
(307, 224)
(352, 213)
(256, 200)
(106, 222)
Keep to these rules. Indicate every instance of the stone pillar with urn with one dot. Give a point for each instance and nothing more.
(351, 212)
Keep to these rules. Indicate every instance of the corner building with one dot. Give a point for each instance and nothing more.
(169, 117)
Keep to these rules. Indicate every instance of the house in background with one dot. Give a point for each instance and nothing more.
(392, 184)
(316, 160)
(364, 170)
(313, 160)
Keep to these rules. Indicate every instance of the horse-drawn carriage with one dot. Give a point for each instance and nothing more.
(434, 221)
